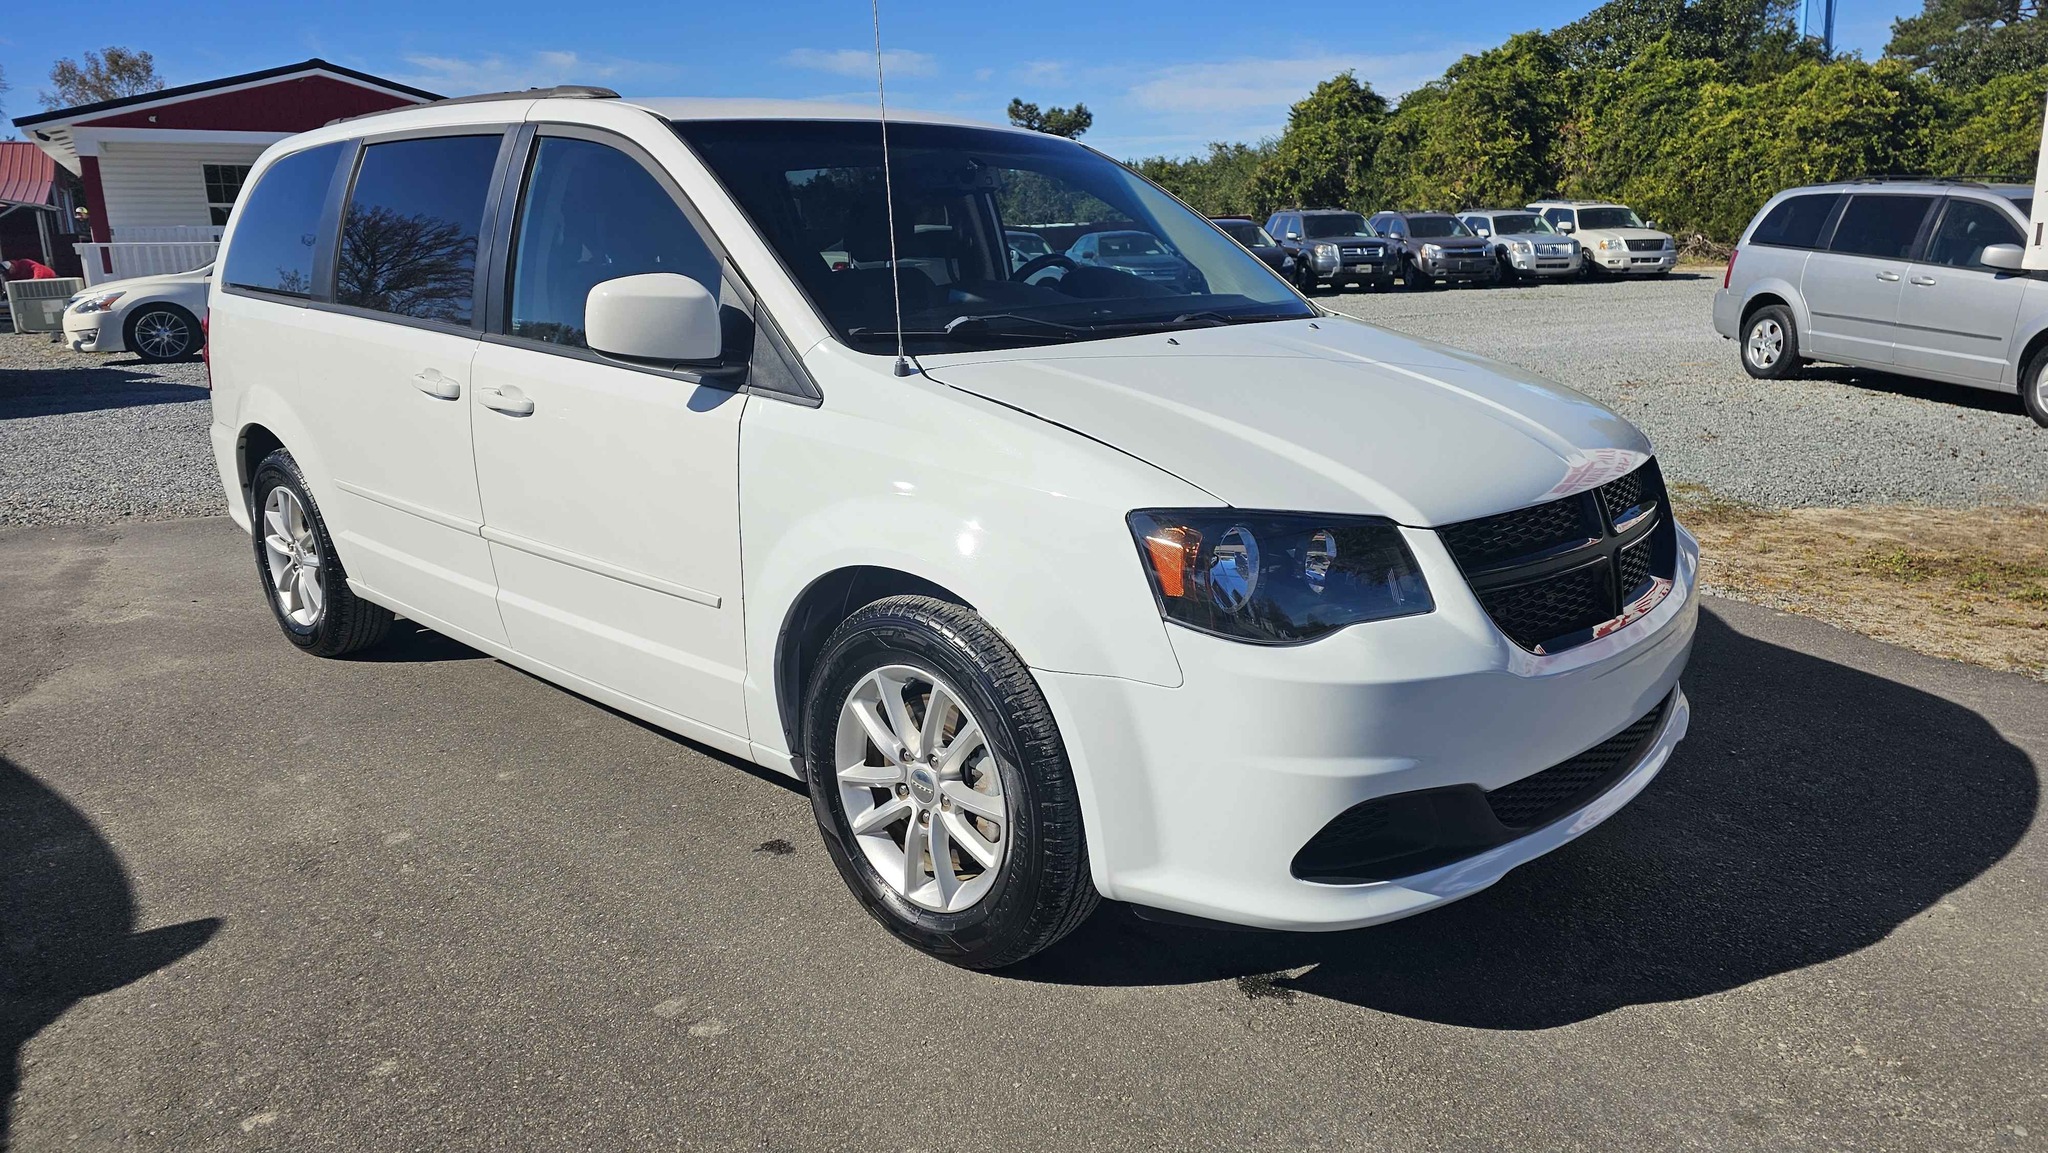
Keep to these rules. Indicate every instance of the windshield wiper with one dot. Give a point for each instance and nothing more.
(976, 327)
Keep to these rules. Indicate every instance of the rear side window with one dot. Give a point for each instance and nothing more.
(408, 238)
(590, 214)
(1796, 221)
(1880, 225)
(279, 223)
(1967, 228)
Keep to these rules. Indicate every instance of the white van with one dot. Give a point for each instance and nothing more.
(1186, 594)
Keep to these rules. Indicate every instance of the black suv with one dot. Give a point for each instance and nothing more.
(1436, 246)
(1332, 246)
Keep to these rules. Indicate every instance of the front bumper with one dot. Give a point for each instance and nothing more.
(1199, 797)
(91, 332)
(1538, 264)
(1459, 268)
(1629, 260)
(1367, 269)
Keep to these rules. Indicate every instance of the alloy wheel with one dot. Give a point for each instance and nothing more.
(922, 789)
(163, 335)
(1766, 343)
(291, 551)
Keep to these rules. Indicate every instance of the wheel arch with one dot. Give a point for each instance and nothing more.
(2036, 345)
(135, 310)
(823, 606)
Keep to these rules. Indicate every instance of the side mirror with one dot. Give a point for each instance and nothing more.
(655, 316)
(1483, 231)
(1294, 236)
(1566, 226)
(2005, 257)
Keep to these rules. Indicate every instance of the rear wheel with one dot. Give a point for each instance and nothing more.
(2034, 388)
(941, 785)
(161, 332)
(302, 578)
(1770, 344)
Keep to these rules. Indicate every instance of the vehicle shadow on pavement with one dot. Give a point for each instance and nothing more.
(1939, 392)
(1812, 809)
(88, 387)
(67, 920)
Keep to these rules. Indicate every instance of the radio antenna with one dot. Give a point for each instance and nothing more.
(889, 193)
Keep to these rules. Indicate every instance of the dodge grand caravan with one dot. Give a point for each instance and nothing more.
(1186, 594)
(1919, 277)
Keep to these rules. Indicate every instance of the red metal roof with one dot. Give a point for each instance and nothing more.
(26, 173)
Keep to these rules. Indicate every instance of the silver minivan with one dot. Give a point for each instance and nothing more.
(1919, 277)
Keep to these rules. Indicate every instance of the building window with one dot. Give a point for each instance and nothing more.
(223, 185)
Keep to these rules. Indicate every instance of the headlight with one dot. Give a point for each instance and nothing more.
(1326, 252)
(97, 303)
(1276, 578)
(1432, 250)
(1524, 247)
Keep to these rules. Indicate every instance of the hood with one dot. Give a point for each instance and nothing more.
(1331, 415)
(141, 284)
(1535, 237)
(1620, 234)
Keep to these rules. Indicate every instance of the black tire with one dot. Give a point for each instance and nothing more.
(1414, 279)
(1769, 324)
(162, 322)
(1304, 278)
(1044, 889)
(2034, 388)
(346, 623)
(1384, 282)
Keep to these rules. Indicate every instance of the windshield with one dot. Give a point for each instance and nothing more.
(1609, 218)
(1331, 224)
(1430, 226)
(1246, 233)
(814, 190)
(1509, 223)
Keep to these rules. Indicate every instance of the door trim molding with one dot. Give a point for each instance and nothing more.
(421, 511)
(601, 568)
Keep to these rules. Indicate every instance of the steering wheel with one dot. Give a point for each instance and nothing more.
(1039, 264)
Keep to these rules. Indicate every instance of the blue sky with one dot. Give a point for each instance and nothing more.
(1160, 79)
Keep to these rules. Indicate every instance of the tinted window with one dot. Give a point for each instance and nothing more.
(1796, 221)
(1967, 228)
(1332, 224)
(591, 214)
(1880, 225)
(1428, 227)
(1558, 215)
(280, 222)
(408, 239)
(2025, 204)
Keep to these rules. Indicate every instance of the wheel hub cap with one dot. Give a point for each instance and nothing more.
(291, 554)
(922, 789)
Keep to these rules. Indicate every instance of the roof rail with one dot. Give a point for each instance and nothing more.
(1969, 180)
(557, 92)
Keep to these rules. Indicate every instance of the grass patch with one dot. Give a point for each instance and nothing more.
(1967, 584)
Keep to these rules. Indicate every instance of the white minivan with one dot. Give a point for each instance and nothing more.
(1189, 595)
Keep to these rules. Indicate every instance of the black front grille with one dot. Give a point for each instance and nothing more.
(1543, 797)
(1553, 575)
(1646, 246)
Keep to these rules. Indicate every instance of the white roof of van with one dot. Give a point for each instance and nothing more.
(714, 108)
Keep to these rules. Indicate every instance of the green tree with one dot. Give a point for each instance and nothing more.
(1067, 122)
(108, 75)
(1324, 155)
(1757, 38)
(1222, 183)
(1994, 128)
(1972, 42)
(1487, 133)
(1624, 124)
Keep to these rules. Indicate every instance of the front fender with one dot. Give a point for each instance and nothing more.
(1017, 517)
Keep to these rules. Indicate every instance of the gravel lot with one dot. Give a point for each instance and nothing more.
(88, 439)
(1648, 349)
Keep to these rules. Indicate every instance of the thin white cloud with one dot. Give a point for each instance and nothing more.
(860, 62)
(494, 72)
(1268, 86)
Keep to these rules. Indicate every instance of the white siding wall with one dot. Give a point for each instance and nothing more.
(162, 185)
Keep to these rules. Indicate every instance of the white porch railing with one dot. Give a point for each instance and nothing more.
(149, 252)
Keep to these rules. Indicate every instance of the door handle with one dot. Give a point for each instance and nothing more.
(1889, 277)
(1924, 281)
(508, 400)
(435, 385)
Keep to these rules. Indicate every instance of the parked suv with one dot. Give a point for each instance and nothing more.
(1049, 582)
(1333, 247)
(1435, 247)
(1615, 239)
(1247, 232)
(1524, 244)
(1915, 277)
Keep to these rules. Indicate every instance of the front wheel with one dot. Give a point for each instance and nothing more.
(1416, 280)
(941, 785)
(2034, 388)
(1770, 344)
(162, 332)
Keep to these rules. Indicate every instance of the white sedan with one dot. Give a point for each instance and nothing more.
(154, 317)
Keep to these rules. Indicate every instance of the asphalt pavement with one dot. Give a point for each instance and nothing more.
(250, 899)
